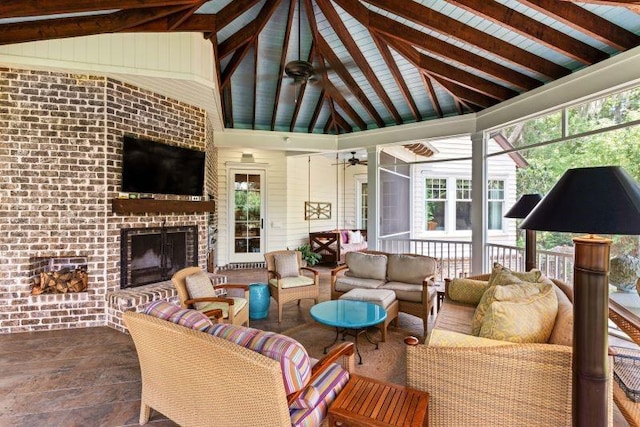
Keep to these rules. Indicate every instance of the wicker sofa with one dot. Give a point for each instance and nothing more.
(410, 276)
(198, 373)
(480, 381)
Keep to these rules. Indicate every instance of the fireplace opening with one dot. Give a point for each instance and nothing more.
(150, 255)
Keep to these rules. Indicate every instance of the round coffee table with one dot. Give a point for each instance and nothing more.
(349, 315)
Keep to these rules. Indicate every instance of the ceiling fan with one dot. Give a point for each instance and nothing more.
(299, 70)
(355, 161)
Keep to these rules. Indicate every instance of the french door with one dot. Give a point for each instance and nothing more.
(247, 202)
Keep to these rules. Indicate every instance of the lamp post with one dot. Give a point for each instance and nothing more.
(520, 210)
(602, 200)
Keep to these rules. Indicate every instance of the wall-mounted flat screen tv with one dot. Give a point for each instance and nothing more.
(152, 167)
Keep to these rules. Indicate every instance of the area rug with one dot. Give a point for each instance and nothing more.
(388, 363)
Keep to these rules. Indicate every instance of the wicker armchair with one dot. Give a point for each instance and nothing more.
(285, 289)
(197, 379)
(232, 315)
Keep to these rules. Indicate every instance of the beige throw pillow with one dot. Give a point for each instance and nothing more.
(287, 264)
(501, 275)
(199, 286)
(523, 319)
(517, 289)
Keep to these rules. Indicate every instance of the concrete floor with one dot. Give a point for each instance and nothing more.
(91, 377)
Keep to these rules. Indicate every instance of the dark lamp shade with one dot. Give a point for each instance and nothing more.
(523, 206)
(603, 200)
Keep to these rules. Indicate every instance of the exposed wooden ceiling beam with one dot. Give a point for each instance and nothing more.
(387, 26)
(397, 76)
(233, 64)
(234, 9)
(449, 72)
(629, 4)
(464, 93)
(177, 19)
(440, 22)
(255, 84)
(338, 26)
(249, 31)
(533, 29)
(283, 60)
(195, 23)
(227, 103)
(586, 22)
(316, 112)
(23, 8)
(336, 96)
(340, 121)
(432, 94)
(327, 53)
(83, 25)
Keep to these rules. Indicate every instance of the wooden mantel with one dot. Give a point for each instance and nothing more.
(137, 206)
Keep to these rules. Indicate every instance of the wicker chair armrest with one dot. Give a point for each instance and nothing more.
(232, 286)
(338, 269)
(345, 350)
(209, 299)
(314, 271)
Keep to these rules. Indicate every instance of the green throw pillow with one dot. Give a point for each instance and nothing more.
(468, 291)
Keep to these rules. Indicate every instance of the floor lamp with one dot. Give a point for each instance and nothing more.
(603, 200)
(520, 210)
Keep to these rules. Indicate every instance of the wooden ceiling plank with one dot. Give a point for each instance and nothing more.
(340, 121)
(586, 22)
(233, 10)
(233, 64)
(632, 5)
(326, 52)
(432, 95)
(255, 83)
(440, 22)
(329, 124)
(316, 112)
(449, 72)
(24, 8)
(283, 60)
(341, 30)
(397, 76)
(533, 29)
(384, 25)
(82, 25)
(335, 94)
(249, 31)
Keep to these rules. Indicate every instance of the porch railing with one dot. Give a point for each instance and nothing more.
(454, 257)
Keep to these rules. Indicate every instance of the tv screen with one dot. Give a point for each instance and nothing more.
(152, 167)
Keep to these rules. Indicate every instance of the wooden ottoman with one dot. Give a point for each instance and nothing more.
(385, 298)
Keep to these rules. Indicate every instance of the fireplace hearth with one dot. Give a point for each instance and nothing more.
(151, 255)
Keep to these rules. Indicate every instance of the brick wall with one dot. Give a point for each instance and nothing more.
(60, 161)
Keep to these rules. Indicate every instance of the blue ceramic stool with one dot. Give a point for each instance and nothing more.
(259, 300)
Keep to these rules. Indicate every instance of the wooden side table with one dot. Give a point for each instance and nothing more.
(368, 402)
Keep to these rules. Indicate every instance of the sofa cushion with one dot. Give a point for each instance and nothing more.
(527, 319)
(308, 398)
(233, 333)
(292, 356)
(287, 264)
(199, 286)
(410, 269)
(182, 316)
(366, 266)
(562, 332)
(382, 297)
(454, 316)
(443, 338)
(505, 292)
(292, 282)
(329, 384)
(408, 292)
(238, 304)
(346, 283)
(468, 291)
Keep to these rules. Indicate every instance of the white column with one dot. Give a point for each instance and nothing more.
(478, 202)
(373, 215)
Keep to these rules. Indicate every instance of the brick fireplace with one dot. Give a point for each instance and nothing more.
(60, 163)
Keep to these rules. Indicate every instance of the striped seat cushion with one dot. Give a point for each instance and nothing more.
(182, 316)
(327, 387)
(235, 334)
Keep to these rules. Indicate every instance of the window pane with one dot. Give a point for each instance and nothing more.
(463, 204)
(611, 110)
(495, 216)
(495, 194)
(436, 197)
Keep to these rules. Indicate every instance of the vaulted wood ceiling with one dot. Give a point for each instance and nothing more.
(375, 63)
